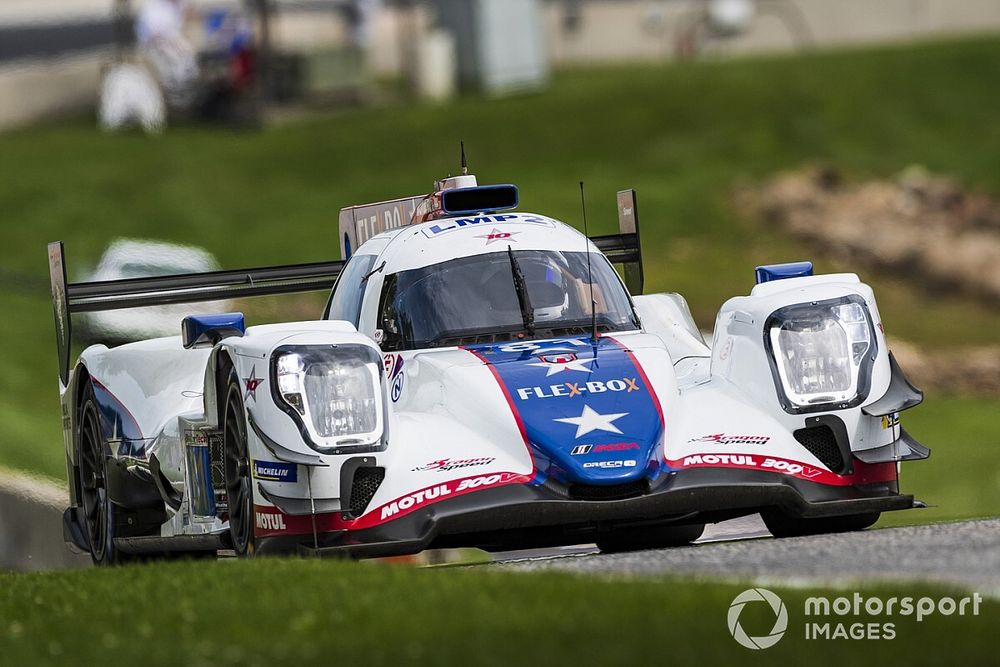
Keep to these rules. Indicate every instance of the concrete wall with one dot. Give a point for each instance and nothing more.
(39, 90)
(31, 535)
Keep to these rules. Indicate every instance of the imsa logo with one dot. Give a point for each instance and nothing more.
(581, 450)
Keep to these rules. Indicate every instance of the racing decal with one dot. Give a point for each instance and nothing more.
(726, 439)
(560, 363)
(274, 471)
(889, 421)
(270, 521)
(393, 364)
(252, 383)
(444, 465)
(449, 225)
(397, 388)
(581, 450)
(864, 473)
(591, 420)
(578, 388)
(457, 487)
(575, 392)
(608, 465)
(727, 348)
(117, 423)
(394, 372)
(496, 236)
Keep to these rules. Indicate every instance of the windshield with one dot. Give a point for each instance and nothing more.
(481, 299)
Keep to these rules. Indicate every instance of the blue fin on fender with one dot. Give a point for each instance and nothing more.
(769, 272)
(207, 330)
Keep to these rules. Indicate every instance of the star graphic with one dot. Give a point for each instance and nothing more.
(252, 383)
(496, 235)
(558, 367)
(589, 420)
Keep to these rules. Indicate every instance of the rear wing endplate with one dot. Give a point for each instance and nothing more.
(624, 247)
(70, 298)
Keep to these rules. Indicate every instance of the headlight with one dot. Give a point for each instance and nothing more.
(334, 393)
(822, 353)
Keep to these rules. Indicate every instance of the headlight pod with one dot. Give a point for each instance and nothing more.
(821, 353)
(334, 394)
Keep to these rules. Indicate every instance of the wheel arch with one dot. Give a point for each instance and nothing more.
(216, 375)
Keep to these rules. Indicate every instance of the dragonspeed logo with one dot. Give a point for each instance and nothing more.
(443, 465)
(724, 439)
(571, 389)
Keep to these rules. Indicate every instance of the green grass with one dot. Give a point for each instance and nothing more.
(311, 612)
(961, 480)
(684, 136)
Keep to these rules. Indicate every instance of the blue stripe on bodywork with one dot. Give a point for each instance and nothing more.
(562, 388)
(117, 423)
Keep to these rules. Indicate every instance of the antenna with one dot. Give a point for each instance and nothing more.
(465, 163)
(590, 275)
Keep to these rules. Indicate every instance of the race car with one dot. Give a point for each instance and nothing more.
(481, 376)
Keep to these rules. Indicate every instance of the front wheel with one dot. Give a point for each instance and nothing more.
(783, 525)
(239, 483)
(98, 510)
(659, 537)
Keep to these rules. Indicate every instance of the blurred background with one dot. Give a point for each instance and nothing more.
(157, 136)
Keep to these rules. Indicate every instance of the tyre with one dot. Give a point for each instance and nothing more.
(99, 513)
(239, 484)
(658, 537)
(782, 525)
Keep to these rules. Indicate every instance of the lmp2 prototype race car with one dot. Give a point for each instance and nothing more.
(480, 377)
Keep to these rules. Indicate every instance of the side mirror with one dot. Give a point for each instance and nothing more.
(208, 330)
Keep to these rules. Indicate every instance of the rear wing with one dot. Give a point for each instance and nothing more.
(360, 223)
(70, 298)
(624, 247)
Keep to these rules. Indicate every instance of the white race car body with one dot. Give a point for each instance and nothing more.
(518, 437)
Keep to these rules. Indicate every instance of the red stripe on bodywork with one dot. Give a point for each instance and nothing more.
(102, 387)
(864, 473)
(645, 379)
(510, 402)
(270, 521)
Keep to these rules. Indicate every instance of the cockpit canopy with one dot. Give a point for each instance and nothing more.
(503, 295)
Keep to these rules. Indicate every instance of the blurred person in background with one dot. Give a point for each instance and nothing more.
(229, 68)
(159, 32)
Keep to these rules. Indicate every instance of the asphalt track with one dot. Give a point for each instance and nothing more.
(964, 554)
